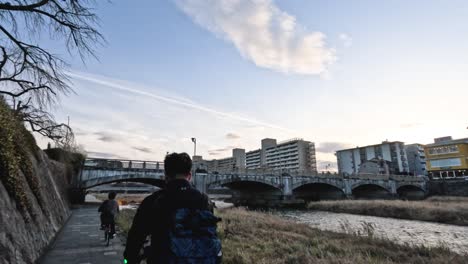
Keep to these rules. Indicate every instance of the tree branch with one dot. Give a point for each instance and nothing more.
(8, 6)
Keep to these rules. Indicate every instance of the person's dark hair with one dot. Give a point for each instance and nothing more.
(112, 195)
(177, 164)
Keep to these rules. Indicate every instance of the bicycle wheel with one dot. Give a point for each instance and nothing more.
(107, 235)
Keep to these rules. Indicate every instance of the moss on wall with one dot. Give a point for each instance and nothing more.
(17, 147)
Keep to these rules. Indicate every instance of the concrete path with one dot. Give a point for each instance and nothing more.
(81, 241)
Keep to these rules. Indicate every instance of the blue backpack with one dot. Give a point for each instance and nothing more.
(193, 238)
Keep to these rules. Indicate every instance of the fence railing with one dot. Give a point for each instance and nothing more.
(120, 164)
(123, 164)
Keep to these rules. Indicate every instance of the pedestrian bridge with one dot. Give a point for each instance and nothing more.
(264, 187)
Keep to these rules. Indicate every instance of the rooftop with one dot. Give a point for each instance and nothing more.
(449, 142)
(383, 142)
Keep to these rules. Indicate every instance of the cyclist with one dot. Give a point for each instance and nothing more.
(109, 210)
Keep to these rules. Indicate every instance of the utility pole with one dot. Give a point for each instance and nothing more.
(68, 127)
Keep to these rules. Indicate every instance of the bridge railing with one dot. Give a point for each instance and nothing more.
(115, 164)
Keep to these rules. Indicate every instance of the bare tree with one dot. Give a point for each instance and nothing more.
(31, 77)
(43, 123)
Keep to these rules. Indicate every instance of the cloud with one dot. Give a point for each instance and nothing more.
(174, 101)
(103, 155)
(214, 153)
(264, 34)
(331, 147)
(347, 40)
(232, 136)
(220, 151)
(410, 125)
(107, 137)
(143, 149)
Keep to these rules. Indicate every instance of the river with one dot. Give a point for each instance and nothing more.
(398, 230)
(401, 231)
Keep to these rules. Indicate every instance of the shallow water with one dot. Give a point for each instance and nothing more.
(398, 230)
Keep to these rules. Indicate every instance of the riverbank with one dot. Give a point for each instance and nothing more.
(254, 237)
(447, 210)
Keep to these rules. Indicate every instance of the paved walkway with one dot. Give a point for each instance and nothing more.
(81, 241)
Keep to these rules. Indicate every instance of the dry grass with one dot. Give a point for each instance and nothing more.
(124, 220)
(448, 210)
(124, 199)
(459, 199)
(253, 237)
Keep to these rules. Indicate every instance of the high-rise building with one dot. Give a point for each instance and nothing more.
(447, 157)
(416, 159)
(234, 163)
(389, 156)
(292, 155)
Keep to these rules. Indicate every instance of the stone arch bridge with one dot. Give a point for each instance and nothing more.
(250, 188)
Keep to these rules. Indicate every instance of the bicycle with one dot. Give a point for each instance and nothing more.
(107, 234)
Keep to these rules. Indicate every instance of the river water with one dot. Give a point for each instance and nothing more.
(398, 230)
(401, 231)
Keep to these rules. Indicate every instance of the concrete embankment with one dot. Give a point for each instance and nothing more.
(33, 204)
(25, 233)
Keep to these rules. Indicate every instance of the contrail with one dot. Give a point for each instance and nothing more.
(174, 101)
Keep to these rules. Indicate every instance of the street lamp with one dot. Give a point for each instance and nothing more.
(194, 140)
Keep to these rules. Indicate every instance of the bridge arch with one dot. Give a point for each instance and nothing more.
(411, 192)
(150, 181)
(240, 182)
(248, 185)
(314, 191)
(252, 192)
(371, 191)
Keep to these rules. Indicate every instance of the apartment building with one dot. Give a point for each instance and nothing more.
(390, 156)
(416, 159)
(447, 157)
(234, 163)
(292, 155)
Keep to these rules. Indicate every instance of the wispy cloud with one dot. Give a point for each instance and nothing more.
(220, 151)
(411, 125)
(174, 101)
(232, 136)
(143, 149)
(331, 147)
(263, 33)
(107, 137)
(103, 155)
(347, 40)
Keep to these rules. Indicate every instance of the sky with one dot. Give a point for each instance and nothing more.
(231, 72)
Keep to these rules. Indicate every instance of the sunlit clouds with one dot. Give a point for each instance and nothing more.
(264, 34)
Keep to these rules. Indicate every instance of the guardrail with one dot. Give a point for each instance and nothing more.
(123, 164)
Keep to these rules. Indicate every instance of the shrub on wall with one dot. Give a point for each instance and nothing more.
(16, 146)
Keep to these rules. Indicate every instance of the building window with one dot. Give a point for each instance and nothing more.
(443, 150)
(446, 163)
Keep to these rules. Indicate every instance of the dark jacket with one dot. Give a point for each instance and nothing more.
(154, 218)
(109, 210)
